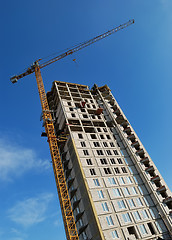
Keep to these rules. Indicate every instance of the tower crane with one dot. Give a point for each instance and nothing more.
(66, 208)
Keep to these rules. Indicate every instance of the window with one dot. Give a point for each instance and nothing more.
(112, 144)
(105, 207)
(115, 152)
(145, 215)
(85, 152)
(96, 182)
(73, 115)
(99, 152)
(121, 152)
(89, 162)
(115, 234)
(136, 216)
(128, 179)
(124, 170)
(105, 144)
(158, 226)
(100, 194)
(119, 160)
(98, 129)
(112, 160)
(116, 192)
(82, 110)
(101, 136)
(83, 144)
(143, 229)
(126, 191)
(103, 160)
(107, 170)
(135, 179)
(121, 204)
(141, 191)
(80, 135)
(93, 136)
(131, 171)
(139, 203)
(109, 221)
(96, 144)
(121, 180)
(104, 129)
(108, 137)
(131, 203)
(108, 152)
(92, 171)
(112, 181)
(71, 109)
(116, 170)
(126, 217)
(152, 213)
(134, 190)
(146, 201)
(69, 103)
(85, 116)
(88, 106)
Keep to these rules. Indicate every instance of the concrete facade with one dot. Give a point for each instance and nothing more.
(116, 190)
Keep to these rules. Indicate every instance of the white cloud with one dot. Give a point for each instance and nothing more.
(16, 160)
(31, 210)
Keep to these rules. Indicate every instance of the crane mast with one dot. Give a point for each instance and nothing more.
(66, 208)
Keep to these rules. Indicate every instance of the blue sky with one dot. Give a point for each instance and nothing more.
(135, 63)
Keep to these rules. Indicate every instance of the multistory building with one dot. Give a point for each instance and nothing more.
(116, 191)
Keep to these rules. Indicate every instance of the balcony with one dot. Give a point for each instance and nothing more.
(135, 144)
(140, 152)
(127, 130)
(155, 179)
(132, 137)
(145, 160)
(76, 203)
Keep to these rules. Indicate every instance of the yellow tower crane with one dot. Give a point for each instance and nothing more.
(66, 208)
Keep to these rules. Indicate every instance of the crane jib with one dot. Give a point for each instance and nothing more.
(31, 69)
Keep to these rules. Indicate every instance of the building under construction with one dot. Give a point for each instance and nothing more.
(115, 189)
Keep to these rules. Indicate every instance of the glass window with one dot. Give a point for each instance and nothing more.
(96, 182)
(100, 194)
(115, 152)
(115, 234)
(116, 192)
(108, 152)
(105, 144)
(135, 179)
(111, 181)
(145, 215)
(99, 152)
(152, 213)
(101, 136)
(85, 152)
(137, 215)
(109, 221)
(158, 226)
(93, 136)
(119, 160)
(141, 191)
(112, 160)
(133, 190)
(128, 179)
(126, 191)
(92, 171)
(96, 144)
(117, 170)
(143, 229)
(121, 180)
(121, 204)
(139, 202)
(105, 207)
(107, 170)
(146, 201)
(80, 135)
(89, 162)
(103, 160)
(112, 144)
(83, 144)
(126, 217)
(124, 170)
(131, 202)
